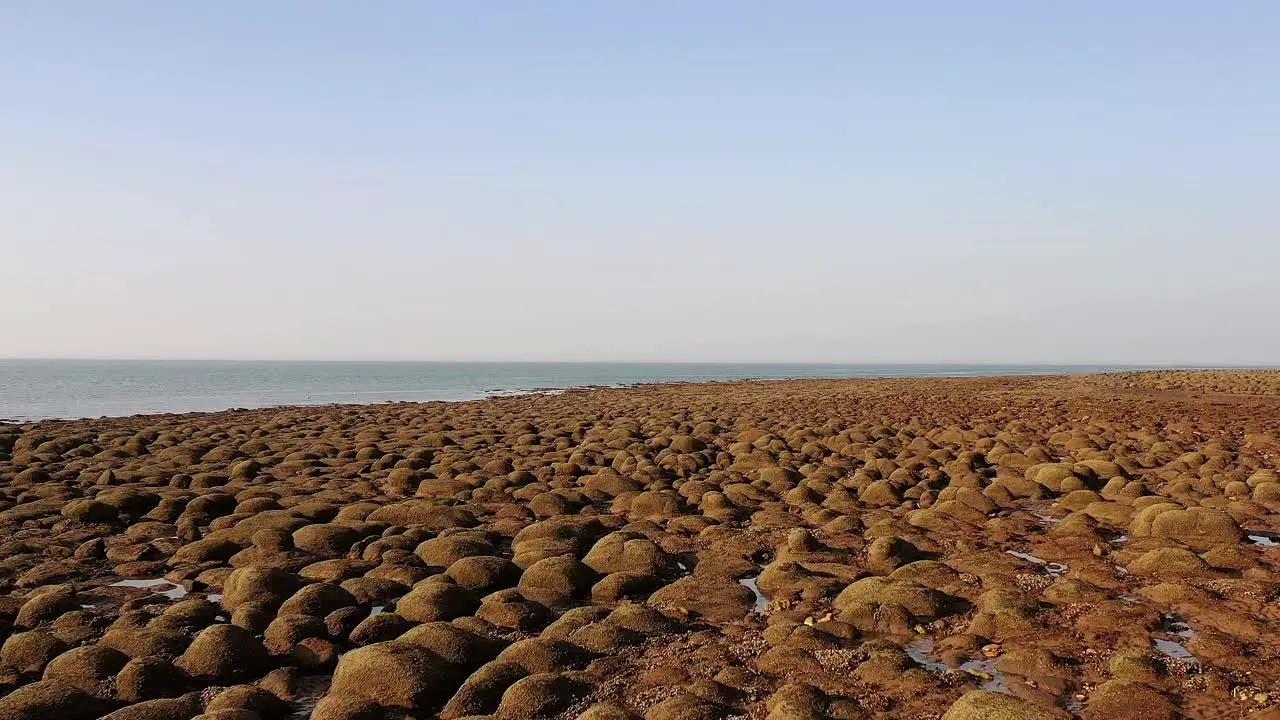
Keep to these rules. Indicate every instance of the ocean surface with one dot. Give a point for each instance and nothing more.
(41, 389)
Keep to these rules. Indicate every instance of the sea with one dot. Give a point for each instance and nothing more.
(44, 389)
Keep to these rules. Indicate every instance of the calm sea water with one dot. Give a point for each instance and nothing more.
(39, 389)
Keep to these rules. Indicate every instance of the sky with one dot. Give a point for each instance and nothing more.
(842, 181)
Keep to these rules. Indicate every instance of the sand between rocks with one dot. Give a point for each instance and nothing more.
(1022, 547)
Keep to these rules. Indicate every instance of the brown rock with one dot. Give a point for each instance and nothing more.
(224, 652)
(49, 699)
(398, 675)
(986, 705)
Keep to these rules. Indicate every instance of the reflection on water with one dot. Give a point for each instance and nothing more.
(159, 586)
(1053, 568)
(984, 670)
(762, 602)
(1175, 625)
(311, 690)
(1263, 538)
(1175, 650)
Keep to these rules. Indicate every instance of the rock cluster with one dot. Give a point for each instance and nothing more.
(1101, 546)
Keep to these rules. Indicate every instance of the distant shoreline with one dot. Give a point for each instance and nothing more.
(545, 391)
(32, 390)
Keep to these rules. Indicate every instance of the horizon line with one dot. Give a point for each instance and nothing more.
(962, 363)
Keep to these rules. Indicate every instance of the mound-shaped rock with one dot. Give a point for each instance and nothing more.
(265, 585)
(431, 601)
(988, 705)
(484, 573)
(396, 675)
(147, 678)
(46, 604)
(919, 600)
(556, 581)
(90, 668)
(424, 513)
(482, 692)
(629, 552)
(541, 695)
(1170, 562)
(224, 652)
(30, 651)
(712, 598)
(442, 552)
(49, 699)
(454, 644)
(325, 539)
(317, 600)
(1197, 527)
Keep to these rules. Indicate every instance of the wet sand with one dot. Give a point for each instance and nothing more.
(1021, 547)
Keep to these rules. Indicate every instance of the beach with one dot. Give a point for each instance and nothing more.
(1035, 546)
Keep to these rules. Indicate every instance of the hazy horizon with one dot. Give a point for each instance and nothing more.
(43, 389)
(827, 183)
(773, 363)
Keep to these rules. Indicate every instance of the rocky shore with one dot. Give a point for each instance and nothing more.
(1022, 547)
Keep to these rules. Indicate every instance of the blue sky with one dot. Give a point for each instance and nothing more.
(813, 181)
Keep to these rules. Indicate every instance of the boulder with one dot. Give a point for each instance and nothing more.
(49, 699)
(556, 581)
(397, 675)
(224, 652)
(258, 584)
(987, 705)
(713, 598)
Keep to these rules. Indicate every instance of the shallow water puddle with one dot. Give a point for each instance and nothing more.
(1025, 556)
(762, 602)
(159, 586)
(1047, 518)
(1053, 568)
(983, 670)
(1174, 650)
(311, 690)
(1177, 626)
(920, 651)
(1263, 538)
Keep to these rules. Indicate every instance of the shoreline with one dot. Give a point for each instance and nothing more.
(537, 392)
(500, 393)
(39, 390)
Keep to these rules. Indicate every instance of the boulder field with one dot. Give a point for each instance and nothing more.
(1103, 547)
